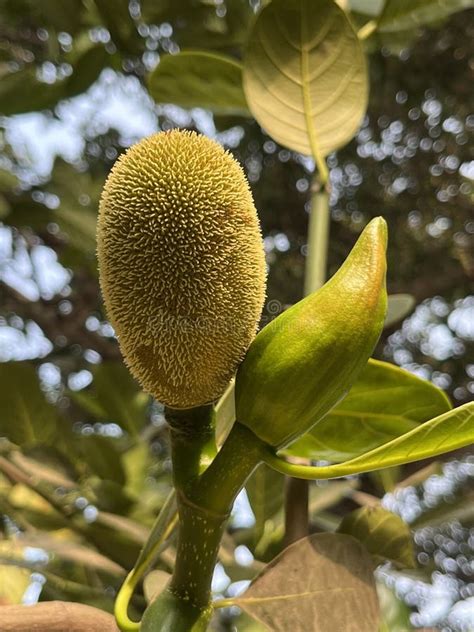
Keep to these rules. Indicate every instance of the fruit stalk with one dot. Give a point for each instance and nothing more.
(204, 505)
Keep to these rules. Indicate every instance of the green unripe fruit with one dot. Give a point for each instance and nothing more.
(303, 363)
(181, 265)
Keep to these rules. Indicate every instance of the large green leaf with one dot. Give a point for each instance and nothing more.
(384, 403)
(305, 75)
(200, 79)
(399, 15)
(319, 583)
(26, 417)
(451, 431)
(384, 534)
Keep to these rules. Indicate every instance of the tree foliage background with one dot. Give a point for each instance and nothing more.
(79, 496)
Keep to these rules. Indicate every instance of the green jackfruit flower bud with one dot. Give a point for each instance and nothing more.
(303, 363)
(181, 265)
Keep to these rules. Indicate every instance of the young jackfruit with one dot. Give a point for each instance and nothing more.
(181, 265)
(304, 362)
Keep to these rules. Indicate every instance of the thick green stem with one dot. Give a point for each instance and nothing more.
(227, 474)
(203, 512)
(170, 613)
(200, 533)
(297, 490)
(318, 237)
(192, 438)
(204, 504)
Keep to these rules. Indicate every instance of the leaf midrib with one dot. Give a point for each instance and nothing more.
(373, 415)
(305, 83)
(300, 595)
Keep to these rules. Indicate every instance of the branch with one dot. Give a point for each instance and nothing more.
(56, 616)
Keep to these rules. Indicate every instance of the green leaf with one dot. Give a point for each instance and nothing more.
(77, 214)
(319, 583)
(161, 531)
(265, 493)
(197, 24)
(200, 79)
(451, 431)
(86, 70)
(26, 418)
(87, 400)
(399, 15)
(120, 396)
(8, 180)
(154, 584)
(384, 403)
(384, 534)
(102, 456)
(399, 306)
(305, 75)
(62, 15)
(395, 613)
(115, 15)
(22, 92)
(111, 496)
(80, 226)
(225, 413)
(136, 462)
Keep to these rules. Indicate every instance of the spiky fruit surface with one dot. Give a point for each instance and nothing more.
(181, 265)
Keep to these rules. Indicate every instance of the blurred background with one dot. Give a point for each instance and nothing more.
(73, 96)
